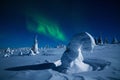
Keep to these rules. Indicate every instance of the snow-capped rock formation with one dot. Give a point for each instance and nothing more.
(72, 59)
(35, 46)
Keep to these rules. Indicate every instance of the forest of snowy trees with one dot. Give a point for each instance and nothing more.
(101, 41)
(34, 50)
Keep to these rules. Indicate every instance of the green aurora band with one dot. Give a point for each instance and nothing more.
(42, 26)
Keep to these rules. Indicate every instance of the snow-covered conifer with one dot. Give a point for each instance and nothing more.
(35, 46)
(106, 41)
(100, 40)
(114, 41)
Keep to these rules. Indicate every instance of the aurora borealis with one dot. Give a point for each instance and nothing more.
(42, 26)
(56, 21)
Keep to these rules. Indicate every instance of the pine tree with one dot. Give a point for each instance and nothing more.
(114, 41)
(96, 42)
(106, 41)
(100, 41)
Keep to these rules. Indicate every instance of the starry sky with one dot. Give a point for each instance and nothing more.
(56, 21)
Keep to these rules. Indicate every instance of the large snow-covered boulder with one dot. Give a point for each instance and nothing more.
(72, 59)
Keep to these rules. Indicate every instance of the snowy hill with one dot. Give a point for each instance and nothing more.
(104, 61)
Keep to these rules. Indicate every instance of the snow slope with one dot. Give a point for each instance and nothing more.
(104, 59)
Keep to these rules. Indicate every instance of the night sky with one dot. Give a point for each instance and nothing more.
(56, 21)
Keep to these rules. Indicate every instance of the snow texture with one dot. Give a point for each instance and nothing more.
(72, 59)
(104, 59)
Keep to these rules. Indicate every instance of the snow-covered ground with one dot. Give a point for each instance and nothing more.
(104, 59)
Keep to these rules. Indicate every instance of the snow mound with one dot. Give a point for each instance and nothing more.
(72, 59)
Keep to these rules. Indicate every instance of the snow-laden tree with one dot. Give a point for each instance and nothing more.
(20, 53)
(115, 41)
(46, 47)
(100, 40)
(72, 59)
(7, 52)
(96, 42)
(12, 52)
(35, 46)
(61, 46)
(106, 41)
(31, 53)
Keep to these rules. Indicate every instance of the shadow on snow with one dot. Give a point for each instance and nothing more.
(96, 64)
(32, 67)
